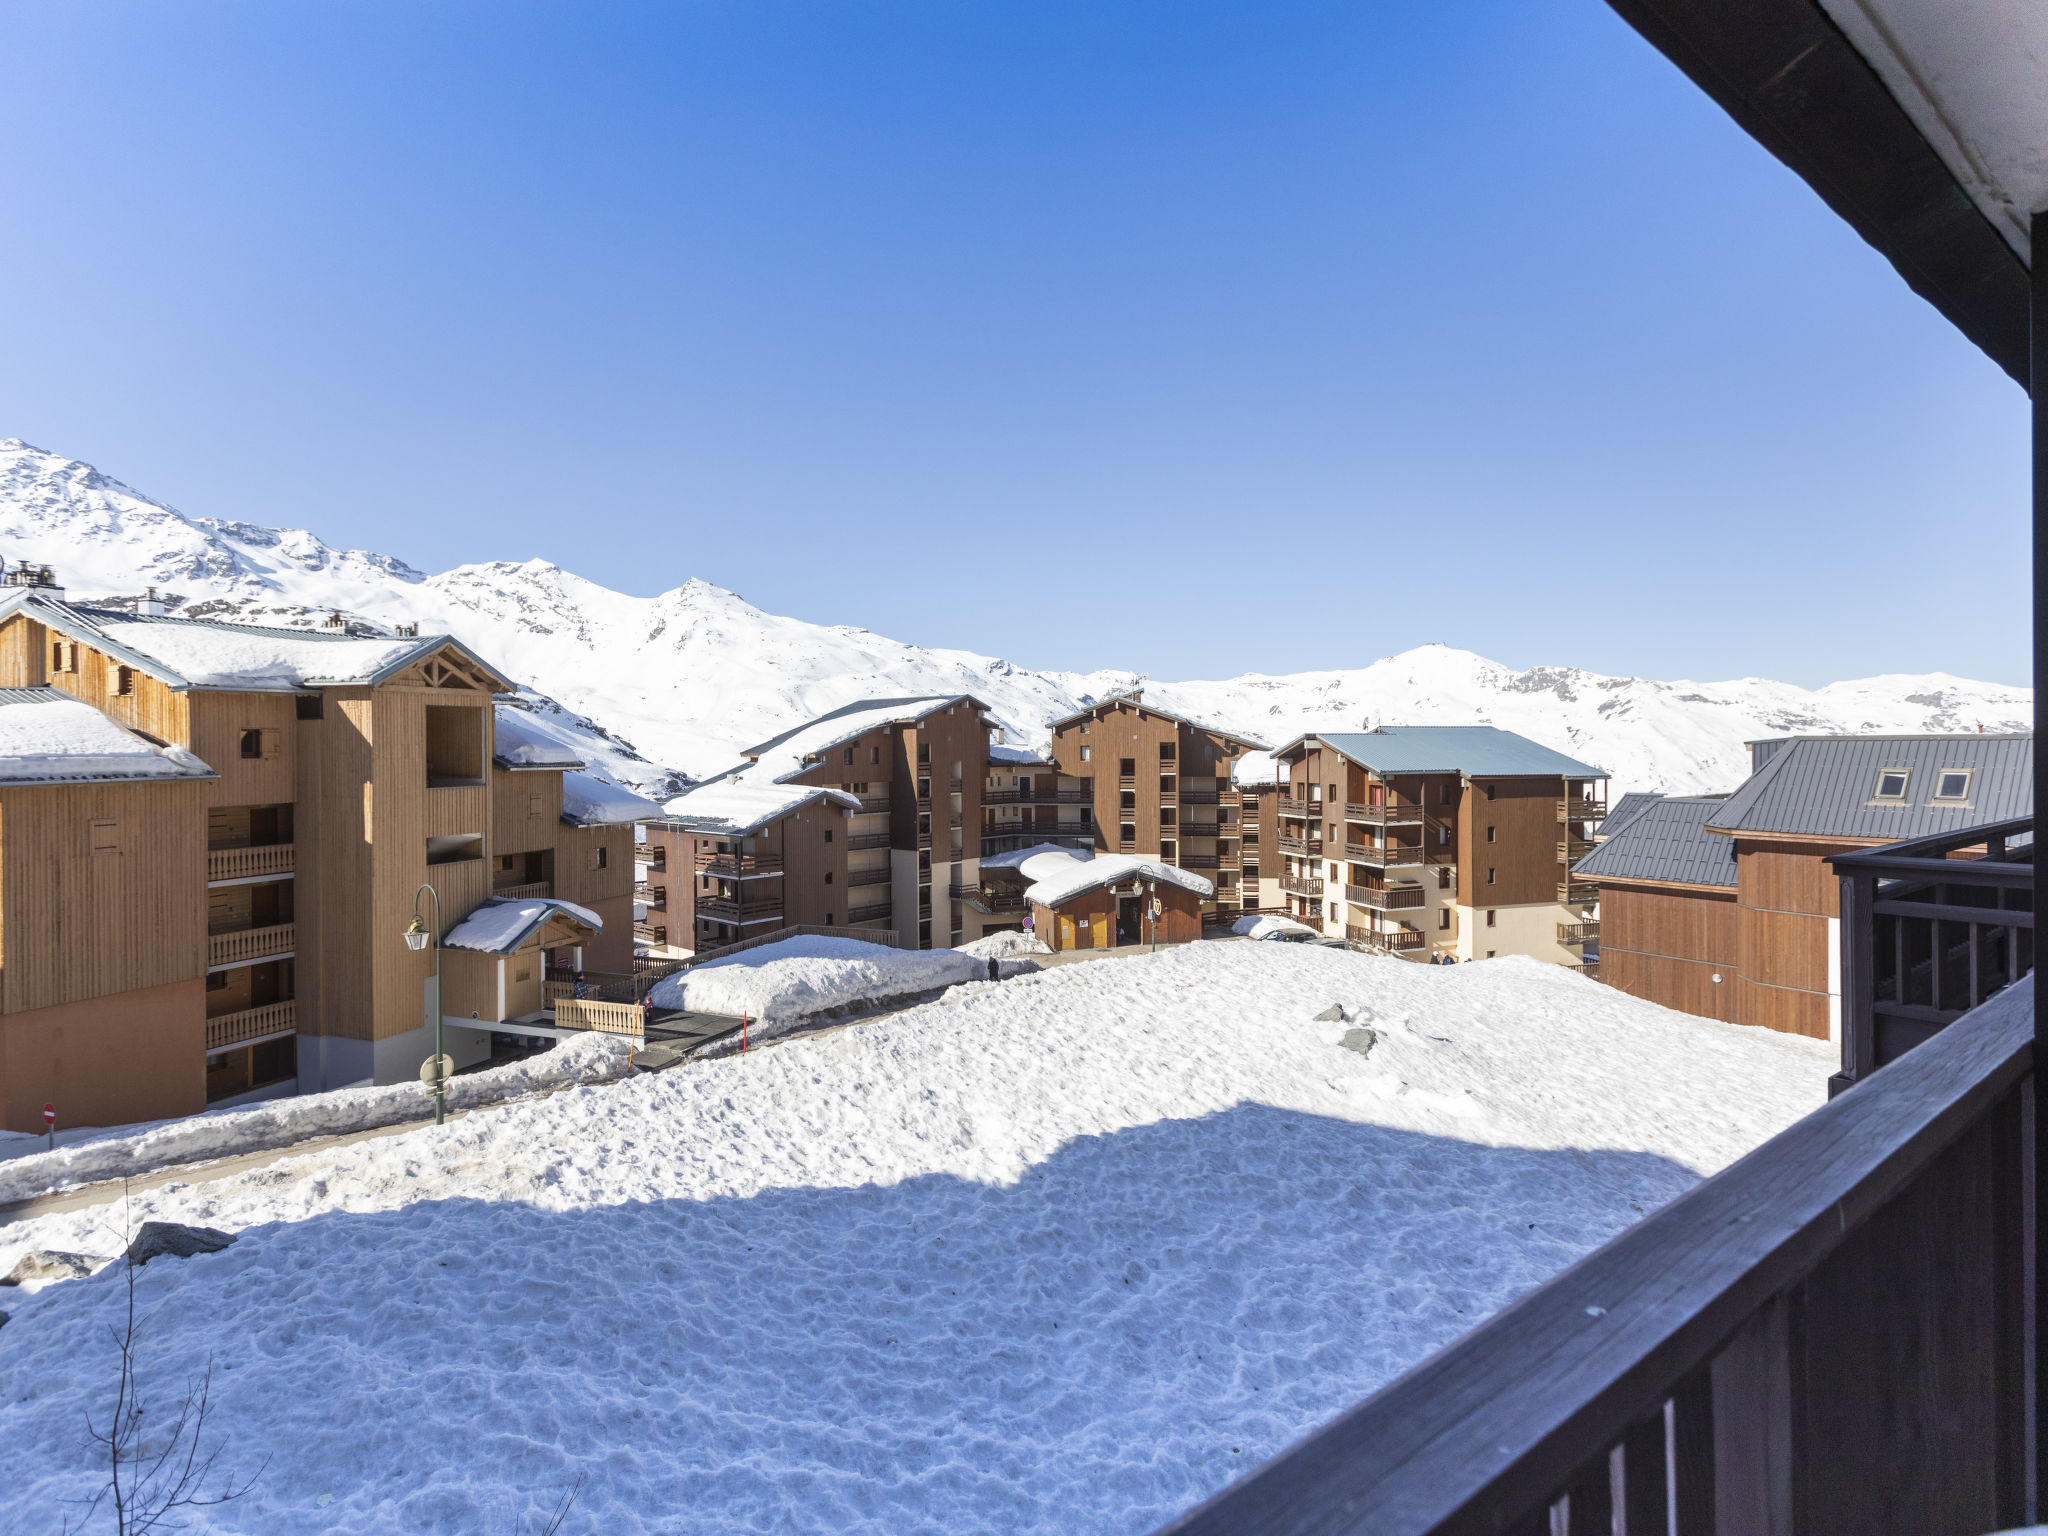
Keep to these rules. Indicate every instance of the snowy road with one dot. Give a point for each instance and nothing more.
(1060, 1254)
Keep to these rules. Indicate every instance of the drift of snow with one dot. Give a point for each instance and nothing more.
(1004, 945)
(795, 978)
(60, 737)
(1063, 1254)
(280, 1122)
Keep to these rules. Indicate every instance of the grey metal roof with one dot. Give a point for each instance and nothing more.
(1470, 749)
(1761, 752)
(1619, 813)
(1823, 786)
(1666, 839)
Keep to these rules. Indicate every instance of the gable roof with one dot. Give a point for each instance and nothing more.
(499, 926)
(850, 722)
(49, 737)
(1821, 786)
(1666, 839)
(731, 807)
(1479, 750)
(1136, 700)
(1065, 884)
(213, 655)
(1618, 814)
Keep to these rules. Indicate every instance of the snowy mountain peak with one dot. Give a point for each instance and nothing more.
(696, 672)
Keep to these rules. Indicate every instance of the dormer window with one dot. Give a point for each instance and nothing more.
(1891, 784)
(1952, 785)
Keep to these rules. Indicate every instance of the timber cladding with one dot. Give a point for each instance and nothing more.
(1521, 815)
(1667, 946)
(526, 811)
(100, 890)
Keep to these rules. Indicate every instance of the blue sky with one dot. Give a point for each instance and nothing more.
(1190, 337)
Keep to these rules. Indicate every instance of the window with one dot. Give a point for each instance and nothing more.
(1489, 834)
(874, 754)
(252, 743)
(1167, 816)
(1334, 797)
(63, 655)
(848, 758)
(1443, 877)
(312, 706)
(121, 680)
(1127, 768)
(1491, 790)
(600, 857)
(1168, 784)
(1443, 836)
(1166, 751)
(1166, 851)
(1952, 784)
(535, 805)
(1085, 750)
(924, 755)
(1489, 874)
(1443, 918)
(924, 789)
(828, 919)
(1891, 783)
(828, 877)
(1127, 833)
(455, 744)
(1443, 794)
(1490, 915)
(1087, 816)
(828, 838)
(454, 850)
(1489, 954)
(1127, 799)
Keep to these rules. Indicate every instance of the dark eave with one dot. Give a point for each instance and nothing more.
(1788, 76)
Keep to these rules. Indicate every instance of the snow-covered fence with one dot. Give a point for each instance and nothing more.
(1830, 1335)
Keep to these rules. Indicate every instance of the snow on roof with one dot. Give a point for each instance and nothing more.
(523, 740)
(498, 927)
(1016, 857)
(588, 801)
(734, 807)
(1471, 749)
(811, 973)
(1016, 756)
(1256, 768)
(1135, 698)
(1109, 870)
(783, 757)
(1265, 925)
(46, 735)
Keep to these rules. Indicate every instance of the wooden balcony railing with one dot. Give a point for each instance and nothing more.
(603, 1017)
(727, 910)
(867, 876)
(652, 934)
(1199, 797)
(1383, 942)
(547, 888)
(1384, 898)
(1386, 856)
(1035, 796)
(251, 863)
(1573, 849)
(1385, 815)
(860, 840)
(1574, 892)
(1581, 810)
(1831, 1335)
(868, 912)
(1930, 929)
(245, 945)
(251, 1024)
(735, 866)
(871, 805)
(1301, 885)
(1198, 861)
(1578, 933)
(1313, 847)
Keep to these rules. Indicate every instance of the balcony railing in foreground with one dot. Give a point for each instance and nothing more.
(1828, 1336)
(1930, 929)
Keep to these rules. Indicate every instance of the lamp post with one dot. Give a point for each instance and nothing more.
(416, 937)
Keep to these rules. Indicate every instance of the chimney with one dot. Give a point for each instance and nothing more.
(335, 623)
(40, 578)
(150, 607)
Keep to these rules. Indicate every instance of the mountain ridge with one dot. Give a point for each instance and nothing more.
(675, 684)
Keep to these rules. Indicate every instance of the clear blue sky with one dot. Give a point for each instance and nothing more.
(1191, 337)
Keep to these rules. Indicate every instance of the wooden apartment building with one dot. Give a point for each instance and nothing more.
(867, 817)
(246, 924)
(1424, 841)
(1724, 906)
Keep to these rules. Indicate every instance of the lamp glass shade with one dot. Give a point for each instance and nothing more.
(416, 935)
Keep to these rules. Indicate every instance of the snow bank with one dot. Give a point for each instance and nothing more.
(1003, 946)
(1060, 1255)
(1267, 926)
(280, 1122)
(812, 974)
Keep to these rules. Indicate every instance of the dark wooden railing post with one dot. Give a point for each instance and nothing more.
(2038, 389)
(1859, 982)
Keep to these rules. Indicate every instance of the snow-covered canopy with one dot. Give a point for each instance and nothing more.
(588, 801)
(1017, 858)
(499, 927)
(47, 735)
(737, 807)
(523, 740)
(1061, 885)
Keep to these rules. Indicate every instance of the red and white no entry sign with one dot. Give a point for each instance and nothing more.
(49, 1114)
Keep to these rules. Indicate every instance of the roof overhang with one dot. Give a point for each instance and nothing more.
(1922, 123)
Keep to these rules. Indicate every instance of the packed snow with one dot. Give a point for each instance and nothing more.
(1005, 945)
(588, 801)
(228, 656)
(46, 734)
(280, 1122)
(1063, 1254)
(1051, 886)
(500, 925)
(1018, 858)
(811, 974)
(697, 673)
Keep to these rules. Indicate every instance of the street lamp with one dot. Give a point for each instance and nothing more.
(416, 936)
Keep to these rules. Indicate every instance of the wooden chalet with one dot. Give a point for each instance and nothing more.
(339, 773)
(1840, 1334)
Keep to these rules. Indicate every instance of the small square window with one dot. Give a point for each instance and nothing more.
(1891, 783)
(252, 743)
(1085, 750)
(828, 834)
(1490, 923)
(1492, 790)
(1489, 881)
(1952, 784)
(1489, 834)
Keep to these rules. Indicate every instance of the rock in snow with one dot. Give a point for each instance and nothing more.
(1063, 1254)
(159, 1239)
(43, 1265)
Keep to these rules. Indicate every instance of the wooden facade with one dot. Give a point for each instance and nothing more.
(1110, 917)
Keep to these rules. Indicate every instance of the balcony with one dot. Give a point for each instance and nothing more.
(1038, 797)
(1393, 941)
(252, 1024)
(1574, 893)
(267, 861)
(655, 936)
(874, 805)
(247, 946)
(1930, 930)
(863, 840)
(1301, 885)
(738, 866)
(1198, 861)
(1573, 849)
(1385, 815)
(1204, 829)
(1581, 810)
(1199, 797)
(1292, 807)
(654, 856)
(1385, 856)
(1385, 898)
(1578, 933)
(1169, 800)
(1831, 1335)
(1311, 847)
(727, 910)
(868, 912)
(547, 888)
(867, 876)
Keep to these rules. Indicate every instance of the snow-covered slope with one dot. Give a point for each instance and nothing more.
(690, 676)
(1056, 1255)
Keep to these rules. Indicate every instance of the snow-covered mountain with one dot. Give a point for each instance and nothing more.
(680, 682)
